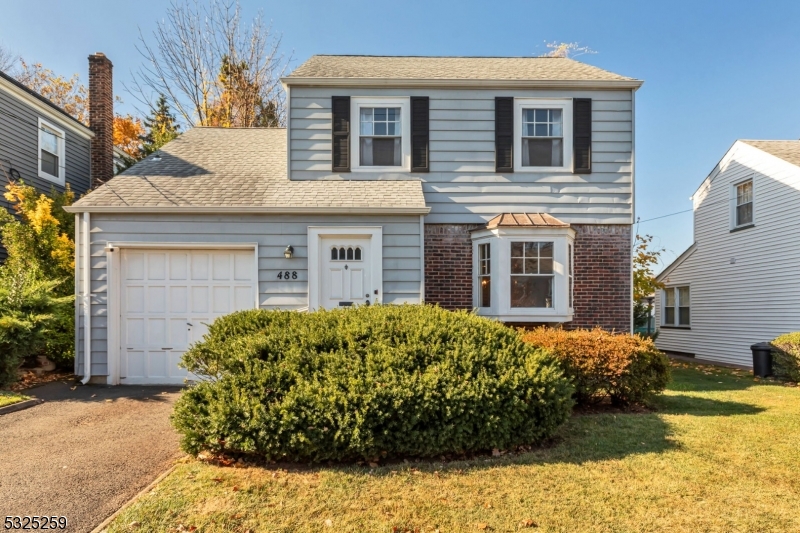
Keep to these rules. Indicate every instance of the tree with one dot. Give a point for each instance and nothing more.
(7, 59)
(212, 68)
(66, 93)
(566, 49)
(161, 127)
(128, 131)
(644, 280)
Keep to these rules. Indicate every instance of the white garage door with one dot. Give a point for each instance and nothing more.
(168, 299)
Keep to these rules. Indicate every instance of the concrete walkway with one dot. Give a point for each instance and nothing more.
(83, 453)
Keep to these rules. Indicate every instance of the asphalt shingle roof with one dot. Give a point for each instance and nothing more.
(452, 68)
(787, 150)
(225, 167)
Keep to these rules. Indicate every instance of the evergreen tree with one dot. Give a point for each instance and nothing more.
(161, 127)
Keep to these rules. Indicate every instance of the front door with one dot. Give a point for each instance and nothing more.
(345, 272)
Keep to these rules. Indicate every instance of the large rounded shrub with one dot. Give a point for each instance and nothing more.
(786, 356)
(367, 382)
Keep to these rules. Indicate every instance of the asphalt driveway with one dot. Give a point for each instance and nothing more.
(83, 453)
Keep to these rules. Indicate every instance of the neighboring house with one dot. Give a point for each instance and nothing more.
(499, 184)
(738, 283)
(43, 145)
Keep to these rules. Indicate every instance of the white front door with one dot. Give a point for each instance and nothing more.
(346, 272)
(168, 297)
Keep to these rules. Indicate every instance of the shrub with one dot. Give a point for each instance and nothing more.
(27, 310)
(786, 356)
(625, 368)
(366, 382)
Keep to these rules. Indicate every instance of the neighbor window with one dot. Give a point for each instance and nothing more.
(531, 274)
(677, 304)
(744, 203)
(485, 274)
(51, 152)
(543, 136)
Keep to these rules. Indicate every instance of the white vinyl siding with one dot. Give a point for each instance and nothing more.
(462, 186)
(745, 286)
(401, 257)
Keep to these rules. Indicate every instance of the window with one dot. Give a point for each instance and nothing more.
(51, 152)
(485, 275)
(531, 274)
(383, 133)
(677, 303)
(570, 266)
(349, 253)
(744, 203)
(543, 136)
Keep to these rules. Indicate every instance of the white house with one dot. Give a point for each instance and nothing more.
(739, 282)
(503, 185)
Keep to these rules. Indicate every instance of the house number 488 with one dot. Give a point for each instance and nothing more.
(287, 275)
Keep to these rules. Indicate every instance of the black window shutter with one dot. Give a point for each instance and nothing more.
(504, 134)
(420, 134)
(340, 145)
(582, 135)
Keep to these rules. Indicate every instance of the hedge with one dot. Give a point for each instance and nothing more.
(786, 356)
(625, 368)
(367, 382)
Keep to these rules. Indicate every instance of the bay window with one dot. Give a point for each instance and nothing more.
(485, 274)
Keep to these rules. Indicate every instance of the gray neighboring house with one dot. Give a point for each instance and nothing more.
(503, 185)
(44, 146)
(737, 284)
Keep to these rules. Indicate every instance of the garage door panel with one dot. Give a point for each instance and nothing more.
(156, 266)
(156, 299)
(179, 299)
(179, 266)
(221, 270)
(199, 266)
(167, 305)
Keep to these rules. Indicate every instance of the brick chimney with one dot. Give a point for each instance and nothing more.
(101, 118)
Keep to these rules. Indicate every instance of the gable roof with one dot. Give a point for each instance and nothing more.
(525, 220)
(33, 94)
(324, 69)
(677, 262)
(240, 170)
(789, 151)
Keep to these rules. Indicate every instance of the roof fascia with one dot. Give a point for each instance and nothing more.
(252, 209)
(51, 113)
(680, 259)
(465, 83)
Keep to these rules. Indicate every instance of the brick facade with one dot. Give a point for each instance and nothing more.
(101, 118)
(602, 272)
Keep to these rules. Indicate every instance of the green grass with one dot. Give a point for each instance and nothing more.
(721, 453)
(8, 398)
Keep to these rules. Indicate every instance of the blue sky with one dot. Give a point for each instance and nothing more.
(713, 71)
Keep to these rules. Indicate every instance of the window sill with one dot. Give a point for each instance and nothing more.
(58, 180)
(379, 169)
(526, 317)
(676, 327)
(740, 228)
(542, 170)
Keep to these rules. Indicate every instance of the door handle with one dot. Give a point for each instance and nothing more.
(190, 324)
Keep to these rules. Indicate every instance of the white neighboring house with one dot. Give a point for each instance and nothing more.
(739, 282)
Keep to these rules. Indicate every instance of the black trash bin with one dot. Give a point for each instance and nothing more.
(762, 359)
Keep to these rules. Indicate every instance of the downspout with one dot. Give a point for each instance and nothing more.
(633, 194)
(86, 241)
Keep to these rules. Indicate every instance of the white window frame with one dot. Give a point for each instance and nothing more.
(500, 240)
(404, 103)
(734, 198)
(676, 293)
(565, 104)
(62, 155)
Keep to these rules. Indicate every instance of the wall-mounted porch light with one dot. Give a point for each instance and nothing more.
(288, 252)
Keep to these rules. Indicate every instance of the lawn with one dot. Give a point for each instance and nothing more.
(8, 398)
(721, 453)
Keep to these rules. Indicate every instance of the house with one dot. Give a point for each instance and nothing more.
(44, 146)
(737, 284)
(503, 185)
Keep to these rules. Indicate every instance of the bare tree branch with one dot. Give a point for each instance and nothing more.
(213, 68)
(8, 60)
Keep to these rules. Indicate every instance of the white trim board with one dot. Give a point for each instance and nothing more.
(316, 233)
(287, 210)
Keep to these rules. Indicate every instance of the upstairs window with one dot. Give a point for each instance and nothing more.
(383, 129)
(51, 152)
(542, 138)
(532, 274)
(744, 203)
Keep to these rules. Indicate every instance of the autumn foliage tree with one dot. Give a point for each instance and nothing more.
(67, 93)
(645, 258)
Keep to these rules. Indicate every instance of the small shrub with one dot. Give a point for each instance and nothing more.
(367, 382)
(625, 368)
(786, 356)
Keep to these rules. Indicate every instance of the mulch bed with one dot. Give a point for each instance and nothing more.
(31, 379)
